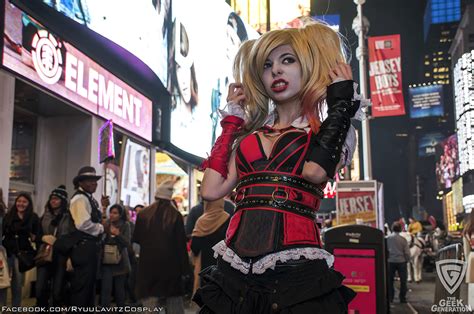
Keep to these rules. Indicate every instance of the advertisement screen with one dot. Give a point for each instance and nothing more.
(358, 266)
(427, 143)
(203, 50)
(135, 175)
(447, 162)
(42, 57)
(139, 26)
(426, 101)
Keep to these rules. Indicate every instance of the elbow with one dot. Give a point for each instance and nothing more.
(209, 194)
(314, 173)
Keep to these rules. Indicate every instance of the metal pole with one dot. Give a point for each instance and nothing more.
(361, 55)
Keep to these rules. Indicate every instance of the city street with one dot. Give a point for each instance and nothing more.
(420, 296)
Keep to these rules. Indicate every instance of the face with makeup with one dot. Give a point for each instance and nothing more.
(282, 75)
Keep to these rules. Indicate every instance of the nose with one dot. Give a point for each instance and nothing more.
(276, 69)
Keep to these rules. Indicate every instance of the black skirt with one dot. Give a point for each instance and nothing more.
(298, 287)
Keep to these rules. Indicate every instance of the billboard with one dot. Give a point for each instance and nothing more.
(140, 26)
(203, 50)
(427, 143)
(447, 162)
(52, 63)
(356, 202)
(464, 113)
(385, 71)
(426, 101)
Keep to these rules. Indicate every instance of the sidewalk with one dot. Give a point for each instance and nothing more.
(420, 296)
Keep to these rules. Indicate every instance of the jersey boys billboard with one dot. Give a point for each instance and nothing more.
(42, 57)
(385, 73)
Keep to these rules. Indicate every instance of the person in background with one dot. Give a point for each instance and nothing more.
(85, 212)
(468, 244)
(117, 231)
(197, 212)
(163, 261)
(415, 226)
(20, 229)
(3, 210)
(210, 229)
(398, 256)
(55, 222)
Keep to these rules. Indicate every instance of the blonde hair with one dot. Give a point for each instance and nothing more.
(318, 49)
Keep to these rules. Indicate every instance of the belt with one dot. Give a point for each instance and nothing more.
(276, 203)
(281, 180)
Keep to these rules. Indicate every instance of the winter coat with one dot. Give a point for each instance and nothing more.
(24, 229)
(163, 257)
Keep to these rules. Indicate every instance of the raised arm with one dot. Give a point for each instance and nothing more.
(330, 143)
(220, 174)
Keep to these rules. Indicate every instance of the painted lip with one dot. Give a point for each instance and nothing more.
(280, 87)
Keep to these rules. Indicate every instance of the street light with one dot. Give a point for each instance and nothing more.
(360, 25)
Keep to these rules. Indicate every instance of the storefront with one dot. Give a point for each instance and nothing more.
(54, 100)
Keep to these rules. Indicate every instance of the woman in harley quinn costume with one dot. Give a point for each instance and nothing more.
(278, 161)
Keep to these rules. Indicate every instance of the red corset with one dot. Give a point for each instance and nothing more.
(275, 206)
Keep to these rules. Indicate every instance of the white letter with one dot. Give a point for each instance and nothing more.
(127, 106)
(106, 93)
(80, 80)
(138, 109)
(93, 77)
(118, 101)
(71, 63)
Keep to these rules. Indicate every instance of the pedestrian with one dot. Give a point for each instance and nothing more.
(20, 230)
(55, 223)
(163, 261)
(85, 212)
(3, 252)
(114, 276)
(279, 162)
(414, 227)
(210, 229)
(197, 211)
(468, 242)
(398, 257)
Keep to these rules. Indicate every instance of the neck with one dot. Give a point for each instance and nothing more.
(287, 113)
(21, 214)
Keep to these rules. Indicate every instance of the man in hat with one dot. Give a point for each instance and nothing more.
(159, 231)
(87, 216)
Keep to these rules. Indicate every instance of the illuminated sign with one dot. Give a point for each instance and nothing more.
(426, 101)
(59, 67)
(427, 143)
(464, 114)
(447, 162)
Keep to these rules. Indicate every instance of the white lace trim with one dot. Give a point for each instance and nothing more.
(269, 261)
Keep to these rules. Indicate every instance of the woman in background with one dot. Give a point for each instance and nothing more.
(20, 229)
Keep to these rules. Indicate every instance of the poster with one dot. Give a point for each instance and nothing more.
(135, 175)
(385, 71)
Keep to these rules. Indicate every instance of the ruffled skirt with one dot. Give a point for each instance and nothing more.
(298, 287)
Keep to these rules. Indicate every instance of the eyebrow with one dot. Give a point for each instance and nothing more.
(285, 54)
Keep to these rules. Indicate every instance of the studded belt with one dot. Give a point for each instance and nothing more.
(281, 180)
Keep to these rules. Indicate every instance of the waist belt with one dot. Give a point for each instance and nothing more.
(251, 193)
(284, 204)
(280, 180)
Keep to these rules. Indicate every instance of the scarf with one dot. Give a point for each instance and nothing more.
(214, 216)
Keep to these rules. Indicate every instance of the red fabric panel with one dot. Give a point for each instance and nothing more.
(299, 230)
(233, 226)
(250, 149)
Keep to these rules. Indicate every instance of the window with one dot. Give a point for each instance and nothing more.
(23, 147)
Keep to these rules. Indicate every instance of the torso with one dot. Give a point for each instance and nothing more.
(258, 230)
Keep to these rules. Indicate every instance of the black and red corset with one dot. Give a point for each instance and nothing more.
(275, 206)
